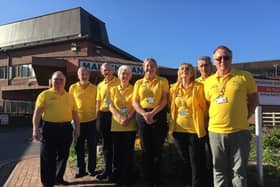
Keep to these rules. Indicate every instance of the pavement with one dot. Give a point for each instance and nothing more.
(20, 164)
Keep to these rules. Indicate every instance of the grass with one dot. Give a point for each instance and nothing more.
(171, 163)
(271, 158)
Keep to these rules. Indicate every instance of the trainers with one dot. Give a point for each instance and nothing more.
(102, 176)
(79, 175)
(92, 174)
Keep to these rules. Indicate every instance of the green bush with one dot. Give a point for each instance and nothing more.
(272, 140)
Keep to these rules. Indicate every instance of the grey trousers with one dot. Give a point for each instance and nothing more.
(230, 158)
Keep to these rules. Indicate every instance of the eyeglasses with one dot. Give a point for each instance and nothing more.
(58, 79)
(225, 58)
(204, 65)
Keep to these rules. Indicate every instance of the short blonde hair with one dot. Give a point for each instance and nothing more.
(123, 68)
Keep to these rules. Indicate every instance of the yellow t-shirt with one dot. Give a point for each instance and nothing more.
(57, 108)
(229, 113)
(103, 93)
(86, 101)
(122, 100)
(149, 93)
(200, 80)
(183, 108)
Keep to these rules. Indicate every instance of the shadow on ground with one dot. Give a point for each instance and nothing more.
(5, 171)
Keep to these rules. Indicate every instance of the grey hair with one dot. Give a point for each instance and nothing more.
(123, 68)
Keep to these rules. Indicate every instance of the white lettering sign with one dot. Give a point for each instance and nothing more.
(269, 91)
(94, 66)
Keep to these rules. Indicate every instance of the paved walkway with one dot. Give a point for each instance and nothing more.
(27, 174)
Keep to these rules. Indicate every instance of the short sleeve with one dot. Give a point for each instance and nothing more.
(40, 101)
(251, 83)
(136, 90)
(165, 85)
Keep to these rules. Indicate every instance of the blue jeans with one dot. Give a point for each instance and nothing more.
(88, 135)
(230, 158)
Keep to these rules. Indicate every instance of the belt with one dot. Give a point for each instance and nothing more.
(148, 109)
(56, 123)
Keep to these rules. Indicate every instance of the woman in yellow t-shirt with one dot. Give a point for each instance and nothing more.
(123, 127)
(187, 109)
(150, 101)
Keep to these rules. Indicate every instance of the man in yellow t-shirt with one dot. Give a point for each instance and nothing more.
(104, 117)
(232, 95)
(84, 93)
(205, 67)
(56, 108)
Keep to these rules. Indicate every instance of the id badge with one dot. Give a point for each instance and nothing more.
(221, 100)
(183, 112)
(107, 101)
(150, 100)
(123, 110)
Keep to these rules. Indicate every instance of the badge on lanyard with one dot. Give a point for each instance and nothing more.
(123, 110)
(150, 100)
(221, 99)
(183, 112)
(107, 101)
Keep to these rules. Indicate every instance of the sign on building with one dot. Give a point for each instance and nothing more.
(94, 66)
(269, 91)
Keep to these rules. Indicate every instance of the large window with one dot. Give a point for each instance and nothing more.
(16, 107)
(23, 70)
(3, 72)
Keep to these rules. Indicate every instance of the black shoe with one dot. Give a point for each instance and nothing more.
(62, 182)
(79, 175)
(92, 174)
(102, 176)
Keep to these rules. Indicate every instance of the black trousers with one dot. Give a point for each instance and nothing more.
(105, 128)
(88, 136)
(123, 156)
(152, 138)
(191, 150)
(55, 144)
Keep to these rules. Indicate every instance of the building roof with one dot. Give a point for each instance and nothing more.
(72, 23)
(67, 25)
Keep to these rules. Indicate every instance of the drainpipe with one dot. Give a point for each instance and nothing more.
(8, 65)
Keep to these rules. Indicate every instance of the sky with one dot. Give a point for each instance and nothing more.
(174, 31)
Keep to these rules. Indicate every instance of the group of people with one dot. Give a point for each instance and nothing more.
(208, 120)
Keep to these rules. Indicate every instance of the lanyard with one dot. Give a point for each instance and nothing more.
(222, 86)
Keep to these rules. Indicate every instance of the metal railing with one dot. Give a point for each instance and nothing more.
(271, 119)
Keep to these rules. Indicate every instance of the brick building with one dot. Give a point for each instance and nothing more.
(32, 49)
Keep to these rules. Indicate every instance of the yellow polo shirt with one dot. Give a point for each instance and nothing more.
(202, 81)
(103, 93)
(149, 92)
(122, 100)
(86, 101)
(230, 115)
(57, 108)
(182, 101)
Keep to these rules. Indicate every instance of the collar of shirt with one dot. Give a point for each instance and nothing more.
(151, 81)
(110, 81)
